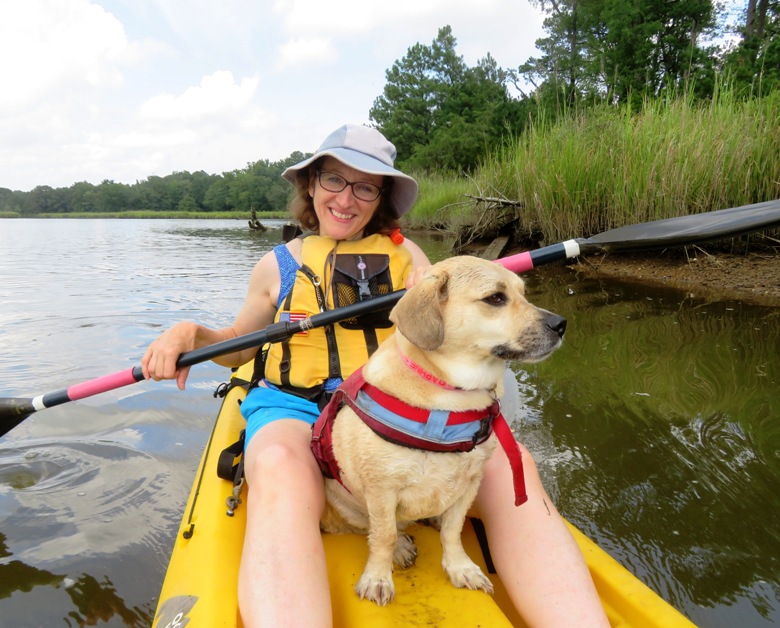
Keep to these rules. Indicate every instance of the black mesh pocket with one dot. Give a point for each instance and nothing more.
(359, 278)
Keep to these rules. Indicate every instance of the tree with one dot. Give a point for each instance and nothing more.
(621, 49)
(648, 46)
(11, 201)
(417, 86)
(43, 199)
(81, 197)
(216, 197)
(187, 204)
(565, 68)
(110, 197)
(754, 63)
(439, 113)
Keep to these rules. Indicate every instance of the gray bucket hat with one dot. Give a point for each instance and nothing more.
(367, 150)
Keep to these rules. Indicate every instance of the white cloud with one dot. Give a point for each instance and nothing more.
(47, 44)
(301, 52)
(217, 94)
(349, 17)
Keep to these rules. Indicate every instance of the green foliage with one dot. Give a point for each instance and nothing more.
(440, 114)
(596, 169)
(442, 198)
(622, 49)
(257, 186)
(417, 87)
(144, 214)
(608, 166)
(754, 63)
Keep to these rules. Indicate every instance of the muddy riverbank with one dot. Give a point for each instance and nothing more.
(754, 276)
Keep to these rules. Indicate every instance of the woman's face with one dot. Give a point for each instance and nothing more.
(342, 216)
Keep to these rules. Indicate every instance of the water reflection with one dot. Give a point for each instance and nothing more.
(673, 408)
(92, 601)
(80, 498)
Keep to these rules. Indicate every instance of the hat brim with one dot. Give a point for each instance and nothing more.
(404, 187)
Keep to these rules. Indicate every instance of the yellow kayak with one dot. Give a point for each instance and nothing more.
(200, 587)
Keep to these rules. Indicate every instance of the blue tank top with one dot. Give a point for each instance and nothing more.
(287, 269)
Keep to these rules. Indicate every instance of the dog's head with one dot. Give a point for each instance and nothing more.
(469, 304)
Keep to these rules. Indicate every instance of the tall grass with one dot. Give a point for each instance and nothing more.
(441, 200)
(608, 166)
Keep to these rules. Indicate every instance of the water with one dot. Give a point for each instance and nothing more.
(656, 426)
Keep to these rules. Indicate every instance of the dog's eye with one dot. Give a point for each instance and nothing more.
(495, 299)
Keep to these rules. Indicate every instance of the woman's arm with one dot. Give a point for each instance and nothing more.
(257, 312)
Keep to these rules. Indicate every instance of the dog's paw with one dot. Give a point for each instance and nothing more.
(379, 590)
(469, 576)
(405, 551)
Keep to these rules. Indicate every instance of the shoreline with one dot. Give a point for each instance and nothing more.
(752, 277)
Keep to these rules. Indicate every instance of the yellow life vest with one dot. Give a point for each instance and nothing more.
(335, 274)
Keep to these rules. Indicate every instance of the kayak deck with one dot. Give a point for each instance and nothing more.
(201, 581)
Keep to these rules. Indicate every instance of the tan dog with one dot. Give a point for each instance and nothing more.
(455, 331)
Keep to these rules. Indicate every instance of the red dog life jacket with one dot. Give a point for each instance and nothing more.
(409, 426)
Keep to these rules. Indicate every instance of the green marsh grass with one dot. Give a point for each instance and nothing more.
(442, 201)
(607, 166)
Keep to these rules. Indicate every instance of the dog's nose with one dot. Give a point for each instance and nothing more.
(557, 324)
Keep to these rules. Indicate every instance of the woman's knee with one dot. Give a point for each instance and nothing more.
(284, 469)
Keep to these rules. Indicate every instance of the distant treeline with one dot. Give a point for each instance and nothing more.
(257, 186)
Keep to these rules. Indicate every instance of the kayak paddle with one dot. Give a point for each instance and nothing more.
(644, 236)
(657, 234)
(15, 410)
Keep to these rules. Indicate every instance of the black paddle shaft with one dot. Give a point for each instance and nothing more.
(15, 410)
(282, 330)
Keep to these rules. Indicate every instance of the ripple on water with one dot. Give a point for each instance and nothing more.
(69, 498)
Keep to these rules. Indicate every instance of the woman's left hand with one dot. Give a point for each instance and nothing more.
(416, 275)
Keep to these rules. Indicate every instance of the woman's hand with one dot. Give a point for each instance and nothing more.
(159, 361)
(416, 275)
(420, 263)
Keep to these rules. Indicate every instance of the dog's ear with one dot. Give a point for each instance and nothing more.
(418, 315)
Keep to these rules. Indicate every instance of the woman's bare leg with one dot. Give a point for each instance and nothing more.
(536, 556)
(283, 580)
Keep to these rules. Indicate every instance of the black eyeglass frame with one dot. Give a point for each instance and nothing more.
(351, 184)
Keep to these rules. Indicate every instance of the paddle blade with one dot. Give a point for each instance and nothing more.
(684, 230)
(12, 412)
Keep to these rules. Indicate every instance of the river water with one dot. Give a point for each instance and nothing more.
(656, 427)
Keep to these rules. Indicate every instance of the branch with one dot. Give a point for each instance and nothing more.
(501, 202)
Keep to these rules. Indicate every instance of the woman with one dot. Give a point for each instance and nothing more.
(350, 196)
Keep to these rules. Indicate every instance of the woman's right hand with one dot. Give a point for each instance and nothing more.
(159, 361)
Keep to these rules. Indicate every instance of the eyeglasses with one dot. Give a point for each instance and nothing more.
(362, 190)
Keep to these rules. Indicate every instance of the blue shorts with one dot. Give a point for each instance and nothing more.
(266, 405)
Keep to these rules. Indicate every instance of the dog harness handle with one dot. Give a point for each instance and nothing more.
(512, 450)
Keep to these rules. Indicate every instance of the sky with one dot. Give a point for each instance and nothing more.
(126, 89)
